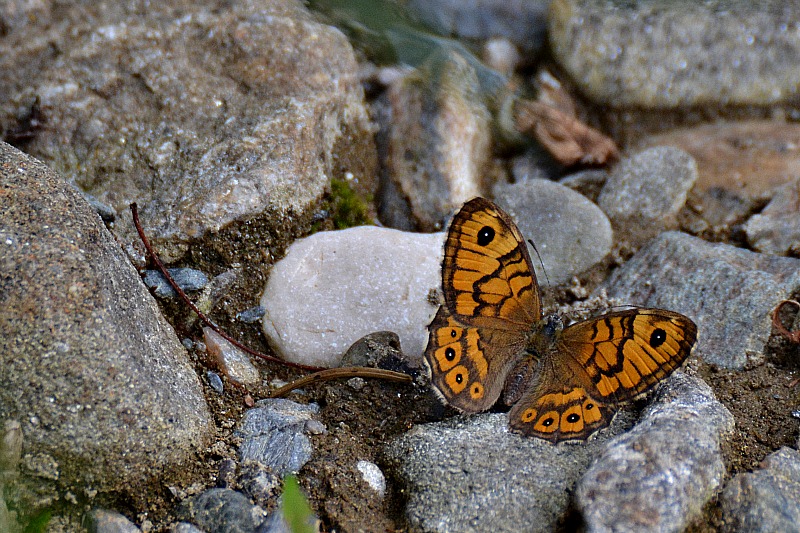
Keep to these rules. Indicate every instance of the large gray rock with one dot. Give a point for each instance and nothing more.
(765, 500)
(471, 474)
(658, 476)
(729, 292)
(776, 229)
(226, 118)
(570, 232)
(645, 192)
(100, 383)
(652, 54)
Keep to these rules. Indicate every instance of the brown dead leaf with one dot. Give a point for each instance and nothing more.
(552, 120)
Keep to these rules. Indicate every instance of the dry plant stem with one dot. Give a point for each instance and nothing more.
(338, 373)
(793, 336)
(153, 257)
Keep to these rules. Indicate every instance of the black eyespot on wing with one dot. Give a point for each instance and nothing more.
(548, 422)
(573, 418)
(658, 337)
(453, 333)
(485, 235)
(459, 378)
(449, 354)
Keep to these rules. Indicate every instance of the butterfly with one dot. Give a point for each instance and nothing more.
(490, 337)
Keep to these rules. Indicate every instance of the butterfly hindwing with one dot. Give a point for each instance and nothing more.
(466, 365)
(626, 353)
(557, 412)
(486, 273)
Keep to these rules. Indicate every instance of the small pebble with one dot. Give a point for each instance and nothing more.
(215, 382)
(356, 383)
(373, 476)
(187, 279)
(232, 361)
(249, 316)
(315, 427)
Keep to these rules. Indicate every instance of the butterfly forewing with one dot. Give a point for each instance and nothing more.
(486, 273)
(626, 353)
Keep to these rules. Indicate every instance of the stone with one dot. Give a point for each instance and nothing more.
(729, 292)
(373, 476)
(333, 288)
(438, 143)
(644, 193)
(105, 521)
(767, 499)
(188, 279)
(571, 233)
(776, 229)
(230, 360)
(274, 434)
(100, 383)
(660, 474)
(225, 123)
(656, 55)
(222, 510)
(472, 474)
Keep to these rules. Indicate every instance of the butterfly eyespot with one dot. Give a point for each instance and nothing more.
(476, 391)
(450, 354)
(453, 333)
(658, 337)
(459, 378)
(528, 415)
(573, 418)
(485, 235)
(589, 406)
(547, 422)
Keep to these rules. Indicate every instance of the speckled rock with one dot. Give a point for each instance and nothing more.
(230, 360)
(333, 288)
(438, 144)
(645, 192)
(188, 279)
(223, 121)
(373, 476)
(471, 474)
(274, 434)
(729, 292)
(765, 500)
(570, 232)
(658, 476)
(223, 510)
(776, 229)
(97, 378)
(653, 54)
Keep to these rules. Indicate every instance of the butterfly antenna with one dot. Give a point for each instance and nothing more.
(539, 257)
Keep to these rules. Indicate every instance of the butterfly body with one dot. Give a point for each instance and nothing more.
(489, 337)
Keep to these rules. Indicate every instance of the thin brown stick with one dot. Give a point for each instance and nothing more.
(338, 373)
(793, 336)
(152, 254)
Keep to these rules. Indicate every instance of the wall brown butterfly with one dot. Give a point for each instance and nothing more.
(489, 336)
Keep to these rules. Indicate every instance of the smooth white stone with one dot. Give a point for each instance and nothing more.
(332, 288)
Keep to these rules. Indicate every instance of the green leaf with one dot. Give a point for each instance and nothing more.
(295, 508)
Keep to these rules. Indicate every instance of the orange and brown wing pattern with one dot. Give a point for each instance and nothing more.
(628, 352)
(559, 414)
(487, 276)
(468, 365)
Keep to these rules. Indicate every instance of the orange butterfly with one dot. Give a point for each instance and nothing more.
(489, 337)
